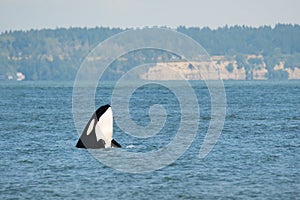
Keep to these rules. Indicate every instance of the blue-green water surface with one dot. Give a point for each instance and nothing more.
(256, 156)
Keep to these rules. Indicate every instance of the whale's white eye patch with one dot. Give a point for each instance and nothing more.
(91, 126)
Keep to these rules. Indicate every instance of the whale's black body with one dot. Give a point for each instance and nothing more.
(98, 131)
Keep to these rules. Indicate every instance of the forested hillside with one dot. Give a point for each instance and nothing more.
(56, 54)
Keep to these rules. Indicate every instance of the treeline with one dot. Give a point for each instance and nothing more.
(56, 54)
(48, 54)
(247, 40)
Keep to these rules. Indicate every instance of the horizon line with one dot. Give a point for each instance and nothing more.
(146, 26)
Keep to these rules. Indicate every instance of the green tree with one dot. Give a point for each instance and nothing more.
(229, 67)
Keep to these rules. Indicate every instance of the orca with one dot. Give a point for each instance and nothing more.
(99, 130)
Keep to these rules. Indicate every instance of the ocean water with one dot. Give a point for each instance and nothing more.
(256, 156)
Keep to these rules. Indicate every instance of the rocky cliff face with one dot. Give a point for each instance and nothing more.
(218, 68)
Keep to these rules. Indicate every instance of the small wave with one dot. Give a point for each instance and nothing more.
(130, 146)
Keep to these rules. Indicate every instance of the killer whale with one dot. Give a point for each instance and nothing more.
(99, 130)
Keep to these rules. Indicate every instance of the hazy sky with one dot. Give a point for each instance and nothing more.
(27, 14)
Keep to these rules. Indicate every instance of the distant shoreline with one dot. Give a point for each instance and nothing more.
(240, 52)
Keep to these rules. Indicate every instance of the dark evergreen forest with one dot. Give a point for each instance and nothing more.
(49, 54)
